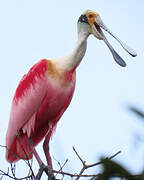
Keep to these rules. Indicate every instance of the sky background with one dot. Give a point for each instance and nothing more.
(97, 121)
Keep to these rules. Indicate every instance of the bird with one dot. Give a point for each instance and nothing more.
(45, 92)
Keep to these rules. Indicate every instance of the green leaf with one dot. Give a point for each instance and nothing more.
(114, 169)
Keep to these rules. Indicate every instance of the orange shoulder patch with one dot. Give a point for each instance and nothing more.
(52, 71)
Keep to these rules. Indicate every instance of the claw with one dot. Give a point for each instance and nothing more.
(47, 170)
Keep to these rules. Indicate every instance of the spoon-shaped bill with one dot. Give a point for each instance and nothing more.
(116, 56)
(131, 51)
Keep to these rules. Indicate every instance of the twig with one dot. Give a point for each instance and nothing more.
(12, 153)
(84, 167)
(3, 146)
(75, 175)
(30, 169)
(91, 165)
(5, 174)
(13, 177)
(26, 156)
(61, 166)
(83, 162)
(111, 157)
(46, 169)
(13, 168)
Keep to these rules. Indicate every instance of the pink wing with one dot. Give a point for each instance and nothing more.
(28, 98)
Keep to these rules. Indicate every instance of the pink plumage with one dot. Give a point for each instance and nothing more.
(46, 91)
(41, 98)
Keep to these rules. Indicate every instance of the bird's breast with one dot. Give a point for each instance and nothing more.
(56, 100)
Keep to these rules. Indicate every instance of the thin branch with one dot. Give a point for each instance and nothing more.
(46, 169)
(30, 169)
(13, 168)
(83, 162)
(12, 153)
(75, 175)
(5, 174)
(61, 166)
(13, 177)
(3, 146)
(111, 157)
(91, 165)
(80, 175)
(26, 155)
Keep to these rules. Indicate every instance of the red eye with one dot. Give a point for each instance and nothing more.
(90, 16)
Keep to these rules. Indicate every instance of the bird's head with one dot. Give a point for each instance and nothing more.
(90, 23)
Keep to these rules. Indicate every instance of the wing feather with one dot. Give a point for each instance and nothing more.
(28, 98)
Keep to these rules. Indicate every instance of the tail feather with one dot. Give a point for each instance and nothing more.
(19, 149)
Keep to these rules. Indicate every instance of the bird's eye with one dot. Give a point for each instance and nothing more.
(83, 19)
(90, 16)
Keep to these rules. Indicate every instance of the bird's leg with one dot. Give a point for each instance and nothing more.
(33, 150)
(37, 158)
(46, 151)
(47, 170)
(48, 157)
(43, 167)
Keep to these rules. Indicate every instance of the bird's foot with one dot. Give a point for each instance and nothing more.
(47, 170)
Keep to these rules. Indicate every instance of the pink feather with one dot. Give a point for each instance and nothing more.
(39, 102)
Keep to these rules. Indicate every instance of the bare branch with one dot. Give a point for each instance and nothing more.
(26, 155)
(13, 168)
(83, 162)
(91, 165)
(111, 157)
(2, 173)
(61, 167)
(75, 175)
(78, 176)
(31, 175)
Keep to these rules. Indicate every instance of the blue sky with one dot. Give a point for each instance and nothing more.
(97, 121)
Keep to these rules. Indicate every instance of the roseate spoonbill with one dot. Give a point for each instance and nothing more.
(45, 92)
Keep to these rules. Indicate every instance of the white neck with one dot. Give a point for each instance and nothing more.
(73, 60)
